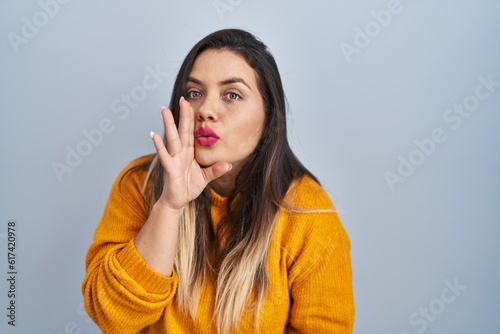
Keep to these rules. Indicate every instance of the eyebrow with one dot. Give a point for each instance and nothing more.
(224, 82)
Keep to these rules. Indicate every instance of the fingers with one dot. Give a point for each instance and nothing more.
(176, 139)
(173, 141)
(160, 149)
(186, 123)
(216, 170)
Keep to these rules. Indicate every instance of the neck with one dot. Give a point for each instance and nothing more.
(225, 184)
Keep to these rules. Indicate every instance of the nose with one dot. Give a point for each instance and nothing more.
(206, 111)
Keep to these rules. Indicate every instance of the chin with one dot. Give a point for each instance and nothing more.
(204, 159)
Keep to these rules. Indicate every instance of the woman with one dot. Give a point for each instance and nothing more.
(223, 230)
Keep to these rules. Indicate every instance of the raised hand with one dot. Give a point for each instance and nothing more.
(185, 179)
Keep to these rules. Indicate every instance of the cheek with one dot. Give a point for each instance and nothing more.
(248, 144)
(245, 137)
(247, 131)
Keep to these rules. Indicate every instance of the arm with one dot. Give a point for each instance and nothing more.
(122, 293)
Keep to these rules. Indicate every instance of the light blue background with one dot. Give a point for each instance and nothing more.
(349, 122)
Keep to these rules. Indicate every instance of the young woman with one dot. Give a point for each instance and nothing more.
(223, 230)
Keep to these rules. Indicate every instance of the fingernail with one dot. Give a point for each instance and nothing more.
(230, 166)
(152, 134)
(163, 107)
(181, 99)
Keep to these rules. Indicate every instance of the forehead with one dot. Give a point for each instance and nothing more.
(219, 65)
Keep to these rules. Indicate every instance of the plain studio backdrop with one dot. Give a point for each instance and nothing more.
(394, 105)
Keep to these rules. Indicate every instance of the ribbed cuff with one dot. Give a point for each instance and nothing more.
(153, 282)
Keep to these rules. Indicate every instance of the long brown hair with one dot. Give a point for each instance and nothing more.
(239, 264)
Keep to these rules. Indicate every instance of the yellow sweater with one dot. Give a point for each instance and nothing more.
(309, 270)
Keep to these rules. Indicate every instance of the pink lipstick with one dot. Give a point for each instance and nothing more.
(206, 137)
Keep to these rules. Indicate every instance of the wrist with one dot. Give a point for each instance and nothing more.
(166, 209)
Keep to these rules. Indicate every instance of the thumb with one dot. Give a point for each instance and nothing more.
(216, 170)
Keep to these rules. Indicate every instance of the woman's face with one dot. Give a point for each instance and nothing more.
(229, 112)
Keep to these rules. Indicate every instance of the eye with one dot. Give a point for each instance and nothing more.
(192, 94)
(233, 96)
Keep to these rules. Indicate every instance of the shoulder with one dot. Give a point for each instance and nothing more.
(310, 229)
(308, 210)
(128, 186)
(134, 173)
(307, 194)
(137, 167)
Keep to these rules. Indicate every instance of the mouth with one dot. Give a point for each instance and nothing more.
(206, 137)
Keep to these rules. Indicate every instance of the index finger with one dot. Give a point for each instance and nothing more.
(174, 144)
(186, 123)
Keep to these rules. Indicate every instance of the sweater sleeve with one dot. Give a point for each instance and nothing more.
(122, 294)
(320, 277)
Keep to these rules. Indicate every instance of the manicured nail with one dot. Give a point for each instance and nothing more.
(152, 134)
(181, 99)
(163, 107)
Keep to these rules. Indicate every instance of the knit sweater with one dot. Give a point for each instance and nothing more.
(309, 270)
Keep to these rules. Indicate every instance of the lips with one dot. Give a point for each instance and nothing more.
(206, 137)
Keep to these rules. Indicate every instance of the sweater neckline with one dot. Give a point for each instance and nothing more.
(217, 200)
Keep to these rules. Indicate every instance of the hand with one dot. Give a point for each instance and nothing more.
(184, 178)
